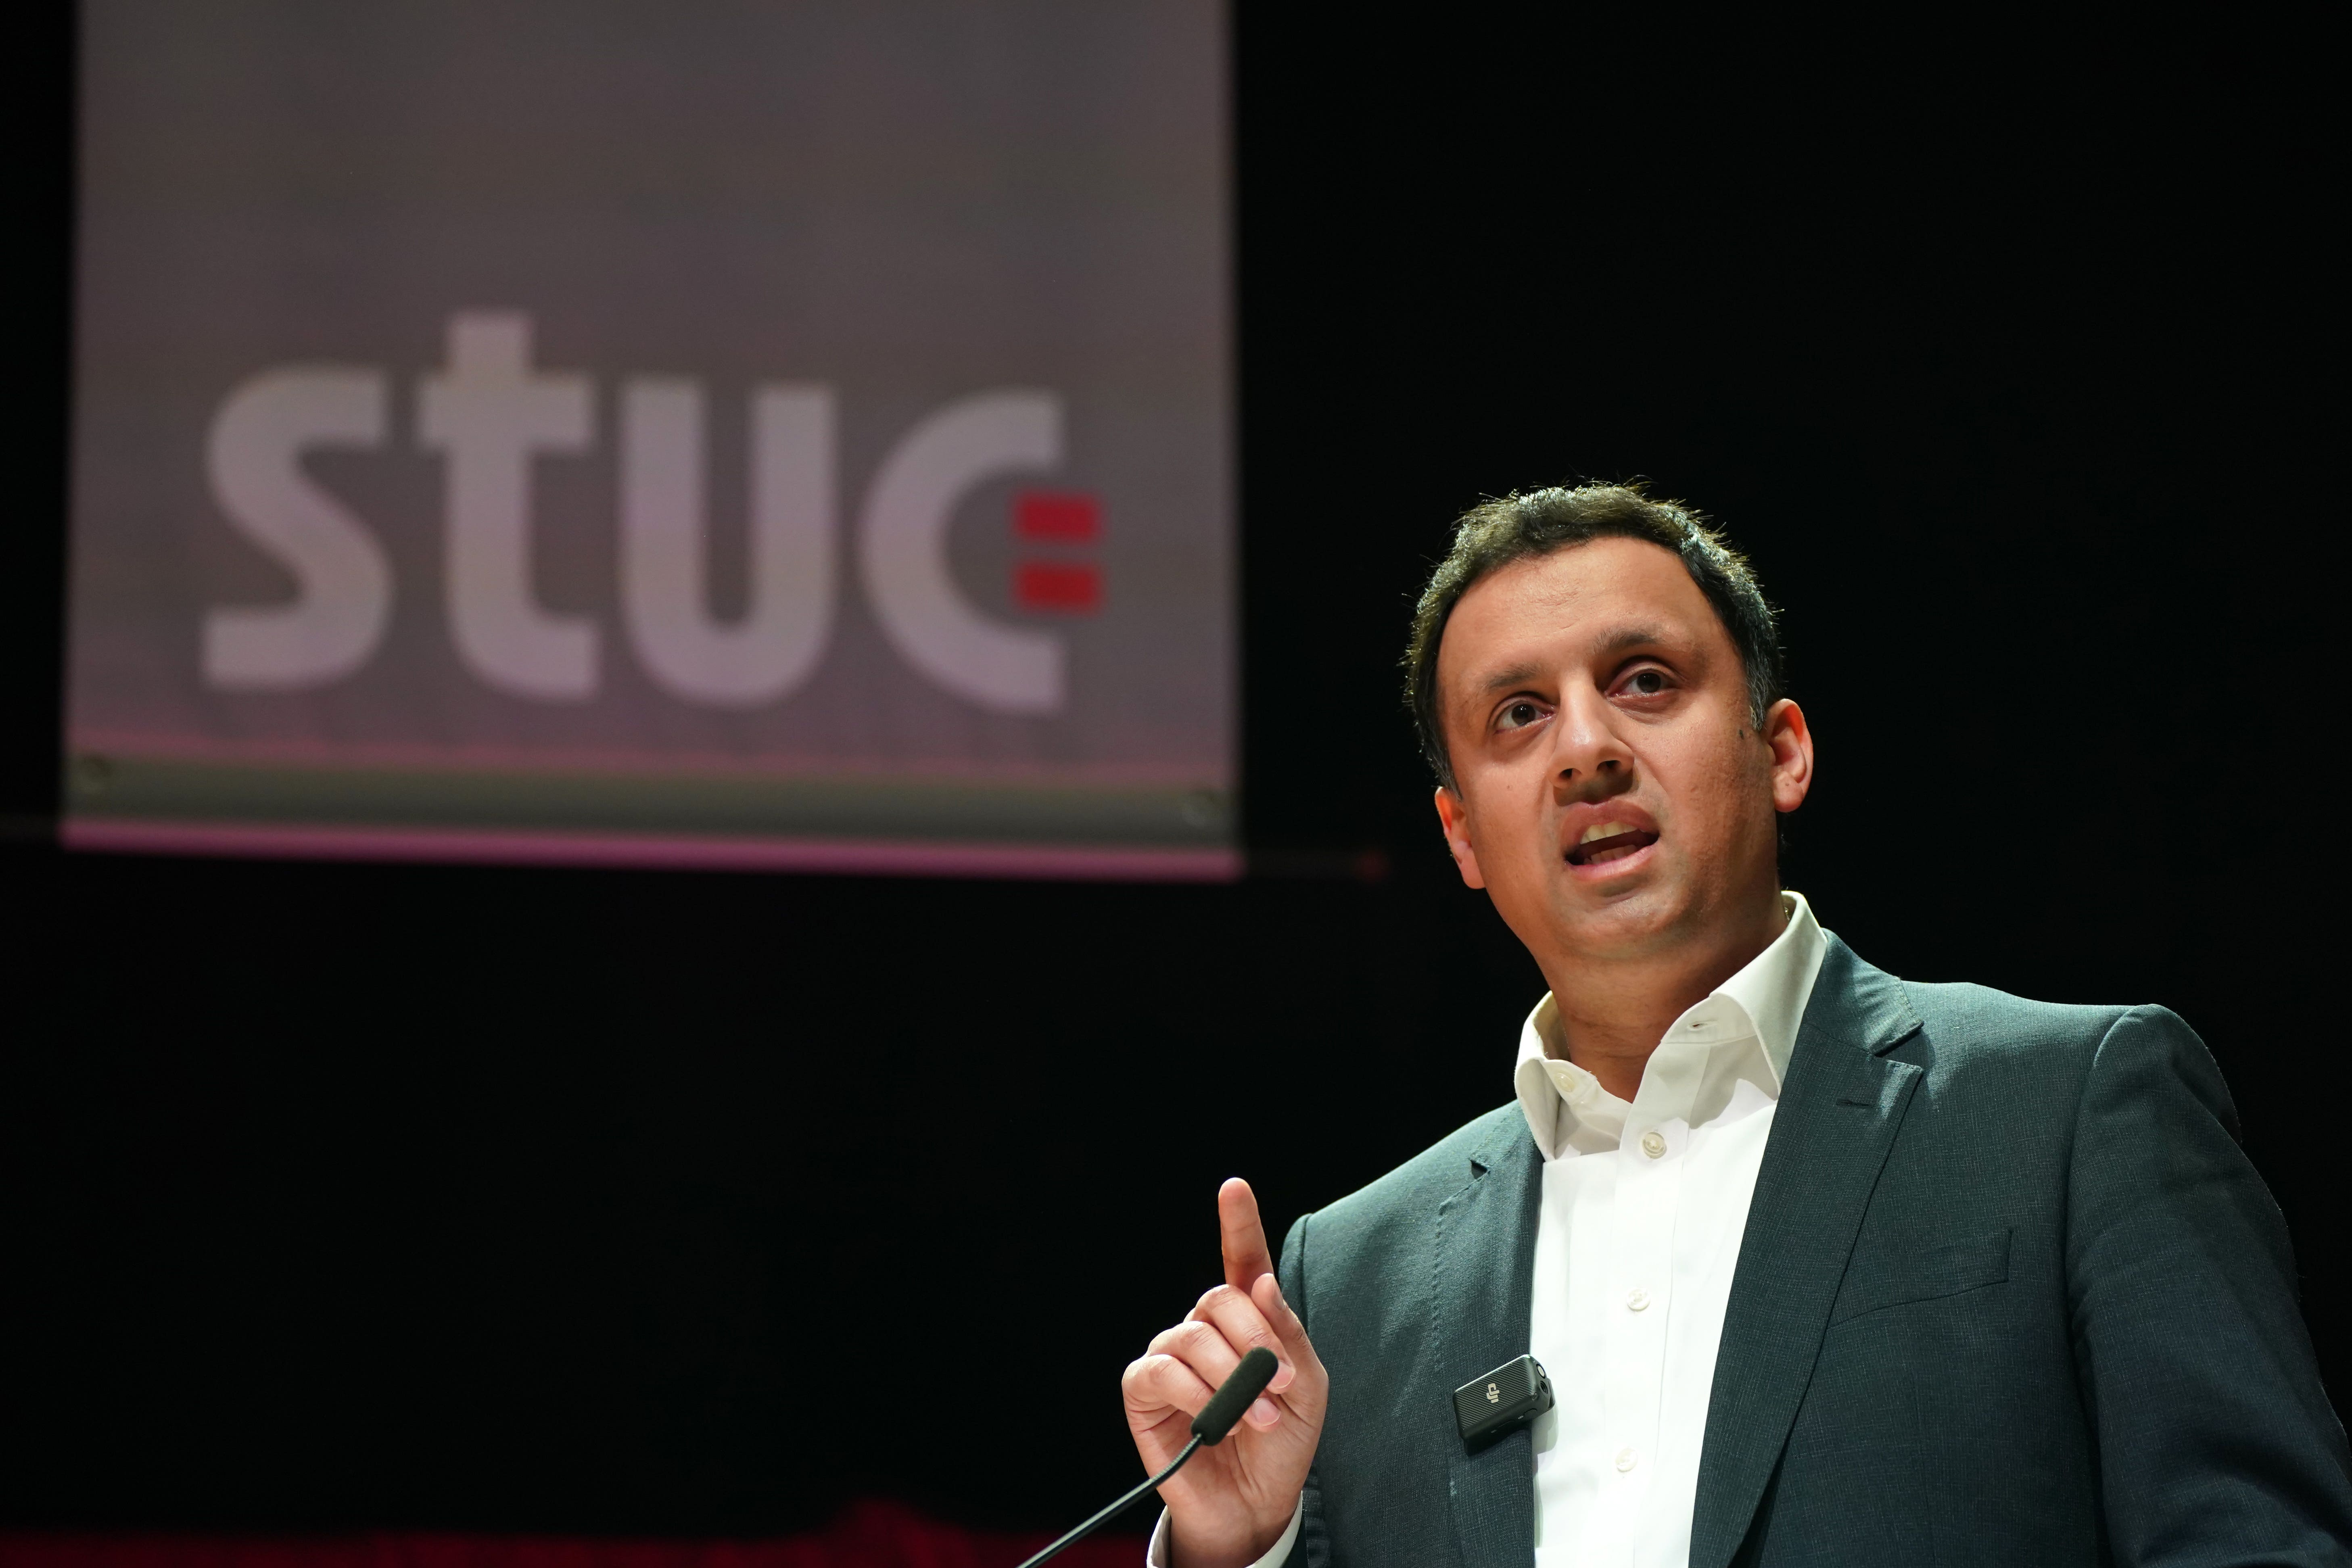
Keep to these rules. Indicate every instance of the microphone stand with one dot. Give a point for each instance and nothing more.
(1115, 1509)
(1216, 1418)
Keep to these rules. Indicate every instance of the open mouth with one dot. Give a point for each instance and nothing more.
(1606, 841)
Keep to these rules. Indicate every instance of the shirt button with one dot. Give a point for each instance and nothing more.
(1627, 1460)
(1636, 1298)
(1654, 1144)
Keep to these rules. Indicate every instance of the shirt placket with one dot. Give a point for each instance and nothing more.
(1640, 1294)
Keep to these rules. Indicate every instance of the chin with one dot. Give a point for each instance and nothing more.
(1622, 924)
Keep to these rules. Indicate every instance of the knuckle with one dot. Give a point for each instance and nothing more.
(1247, 1328)
(1162, 1380)
(1216, 1299)
(1235, 1305)
(1200, 1338)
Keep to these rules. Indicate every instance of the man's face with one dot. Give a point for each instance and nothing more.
(1614, 796)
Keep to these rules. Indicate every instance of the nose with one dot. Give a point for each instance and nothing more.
(1590, 758)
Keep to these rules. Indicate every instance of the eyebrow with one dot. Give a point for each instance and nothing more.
(1632, 636)
(1644, 636)
(1510, 675)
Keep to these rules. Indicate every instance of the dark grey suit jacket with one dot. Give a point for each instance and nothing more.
(2009, 1293)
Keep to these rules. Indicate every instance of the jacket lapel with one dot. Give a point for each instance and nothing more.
(1485, 1266)
(1837, 1118)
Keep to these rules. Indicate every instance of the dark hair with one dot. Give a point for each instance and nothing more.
(1494, 534)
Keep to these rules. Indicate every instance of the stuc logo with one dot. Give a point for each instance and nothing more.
(488, 412)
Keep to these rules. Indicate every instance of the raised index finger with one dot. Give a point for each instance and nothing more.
(1242, 1235)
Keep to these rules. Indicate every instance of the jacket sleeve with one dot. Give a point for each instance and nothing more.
(2217, 1444)
(1313, 1549)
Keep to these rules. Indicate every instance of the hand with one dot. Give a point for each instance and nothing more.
(1231, 1503)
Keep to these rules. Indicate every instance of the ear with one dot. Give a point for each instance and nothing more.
(1455, 816)
(1791, 741)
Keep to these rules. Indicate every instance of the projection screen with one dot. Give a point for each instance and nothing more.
(792, 434)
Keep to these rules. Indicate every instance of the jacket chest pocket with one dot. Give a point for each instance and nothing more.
(1887, 1278)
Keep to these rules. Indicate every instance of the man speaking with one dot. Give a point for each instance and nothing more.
(1824, 1267)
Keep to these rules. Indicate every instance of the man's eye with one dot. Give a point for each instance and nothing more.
(1518, 716)
(1646, 683)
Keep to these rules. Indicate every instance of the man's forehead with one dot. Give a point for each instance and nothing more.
(1587, 601)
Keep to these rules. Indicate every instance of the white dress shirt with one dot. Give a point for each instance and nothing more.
(1643, 1206)
(1636, 1240)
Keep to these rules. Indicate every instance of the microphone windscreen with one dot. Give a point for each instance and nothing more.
(1226, 1405)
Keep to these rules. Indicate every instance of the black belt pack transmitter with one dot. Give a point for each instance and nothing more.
(1494, 1406)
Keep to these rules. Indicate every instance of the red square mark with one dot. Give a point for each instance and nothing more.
(1064, 587)
(1060, 517)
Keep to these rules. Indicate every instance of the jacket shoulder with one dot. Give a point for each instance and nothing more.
(1960, 1030)
(1852, 996)
(1959, 1011)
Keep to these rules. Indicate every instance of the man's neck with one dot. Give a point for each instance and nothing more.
(1614, 1011)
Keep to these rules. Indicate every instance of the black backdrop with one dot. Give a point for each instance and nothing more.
(339, 1197)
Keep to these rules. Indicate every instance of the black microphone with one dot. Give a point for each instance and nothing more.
(1226, 1405)
(1216, 1418)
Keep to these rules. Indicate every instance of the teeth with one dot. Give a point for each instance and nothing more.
(1604, 830)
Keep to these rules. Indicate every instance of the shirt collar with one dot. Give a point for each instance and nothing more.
(1741, 1033)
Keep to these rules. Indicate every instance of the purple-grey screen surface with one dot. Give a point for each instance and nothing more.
(727, 434)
